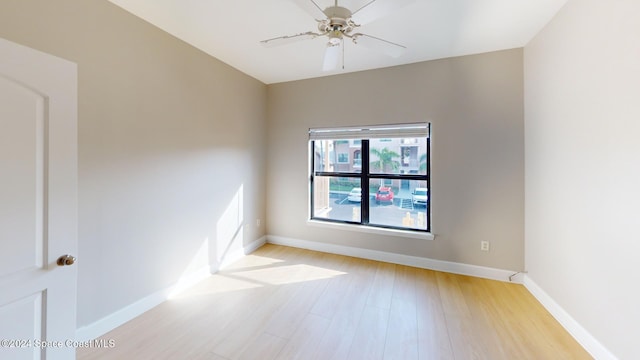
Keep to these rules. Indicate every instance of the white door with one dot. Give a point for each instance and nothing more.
(38, 204)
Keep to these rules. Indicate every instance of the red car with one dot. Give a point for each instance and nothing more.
(384, 193)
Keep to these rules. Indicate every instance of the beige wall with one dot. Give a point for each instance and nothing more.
(171, 148)
(475, 104)
(582, 100)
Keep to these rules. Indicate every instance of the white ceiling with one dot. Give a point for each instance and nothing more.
(230, 30)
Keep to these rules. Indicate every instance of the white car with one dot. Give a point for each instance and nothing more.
(355, 195)
(419, 196)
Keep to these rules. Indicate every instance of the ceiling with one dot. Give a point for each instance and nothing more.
(231, 31)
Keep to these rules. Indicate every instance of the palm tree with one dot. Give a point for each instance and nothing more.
(385, 162)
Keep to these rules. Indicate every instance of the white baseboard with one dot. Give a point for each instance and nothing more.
(420, 262)
(582, 336)
(112, 321)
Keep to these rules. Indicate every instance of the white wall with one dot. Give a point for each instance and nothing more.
(171, 149)
(582, 135)
(475, 104)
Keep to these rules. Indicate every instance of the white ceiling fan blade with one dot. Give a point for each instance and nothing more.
(312, 8)
(374, 43)
(331, 57)
(376, 9)
(283, 40)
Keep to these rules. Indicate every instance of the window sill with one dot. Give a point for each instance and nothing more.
(372, 230)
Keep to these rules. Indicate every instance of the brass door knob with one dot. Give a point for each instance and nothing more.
(66, 260)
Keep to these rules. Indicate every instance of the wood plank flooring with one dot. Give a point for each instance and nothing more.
(287, 303)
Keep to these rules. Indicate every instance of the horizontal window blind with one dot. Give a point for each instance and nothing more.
(371, 132)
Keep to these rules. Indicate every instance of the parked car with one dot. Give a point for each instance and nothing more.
(419, 196)
(385, 194)
(355, 195)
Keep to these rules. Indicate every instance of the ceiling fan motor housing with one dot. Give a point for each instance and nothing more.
(338, 20)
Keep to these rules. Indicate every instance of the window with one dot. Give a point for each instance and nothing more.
(357, 159)
(386, 185)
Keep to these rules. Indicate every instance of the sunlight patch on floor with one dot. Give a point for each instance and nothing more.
(251, 261)
(289, 274)
(218, 284)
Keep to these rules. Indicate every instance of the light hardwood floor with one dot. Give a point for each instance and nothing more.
(287, 303)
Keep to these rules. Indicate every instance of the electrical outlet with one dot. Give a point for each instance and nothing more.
(258, 222)
(484, 245)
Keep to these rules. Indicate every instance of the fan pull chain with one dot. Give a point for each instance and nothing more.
(342, 53)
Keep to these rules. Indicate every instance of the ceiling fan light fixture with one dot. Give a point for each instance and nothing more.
(335, 37)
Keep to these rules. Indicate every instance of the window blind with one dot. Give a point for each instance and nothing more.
(371, 132)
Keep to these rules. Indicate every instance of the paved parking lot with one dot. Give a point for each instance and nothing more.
(383, 214)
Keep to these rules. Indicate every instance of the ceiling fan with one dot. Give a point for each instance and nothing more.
(338, 23)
